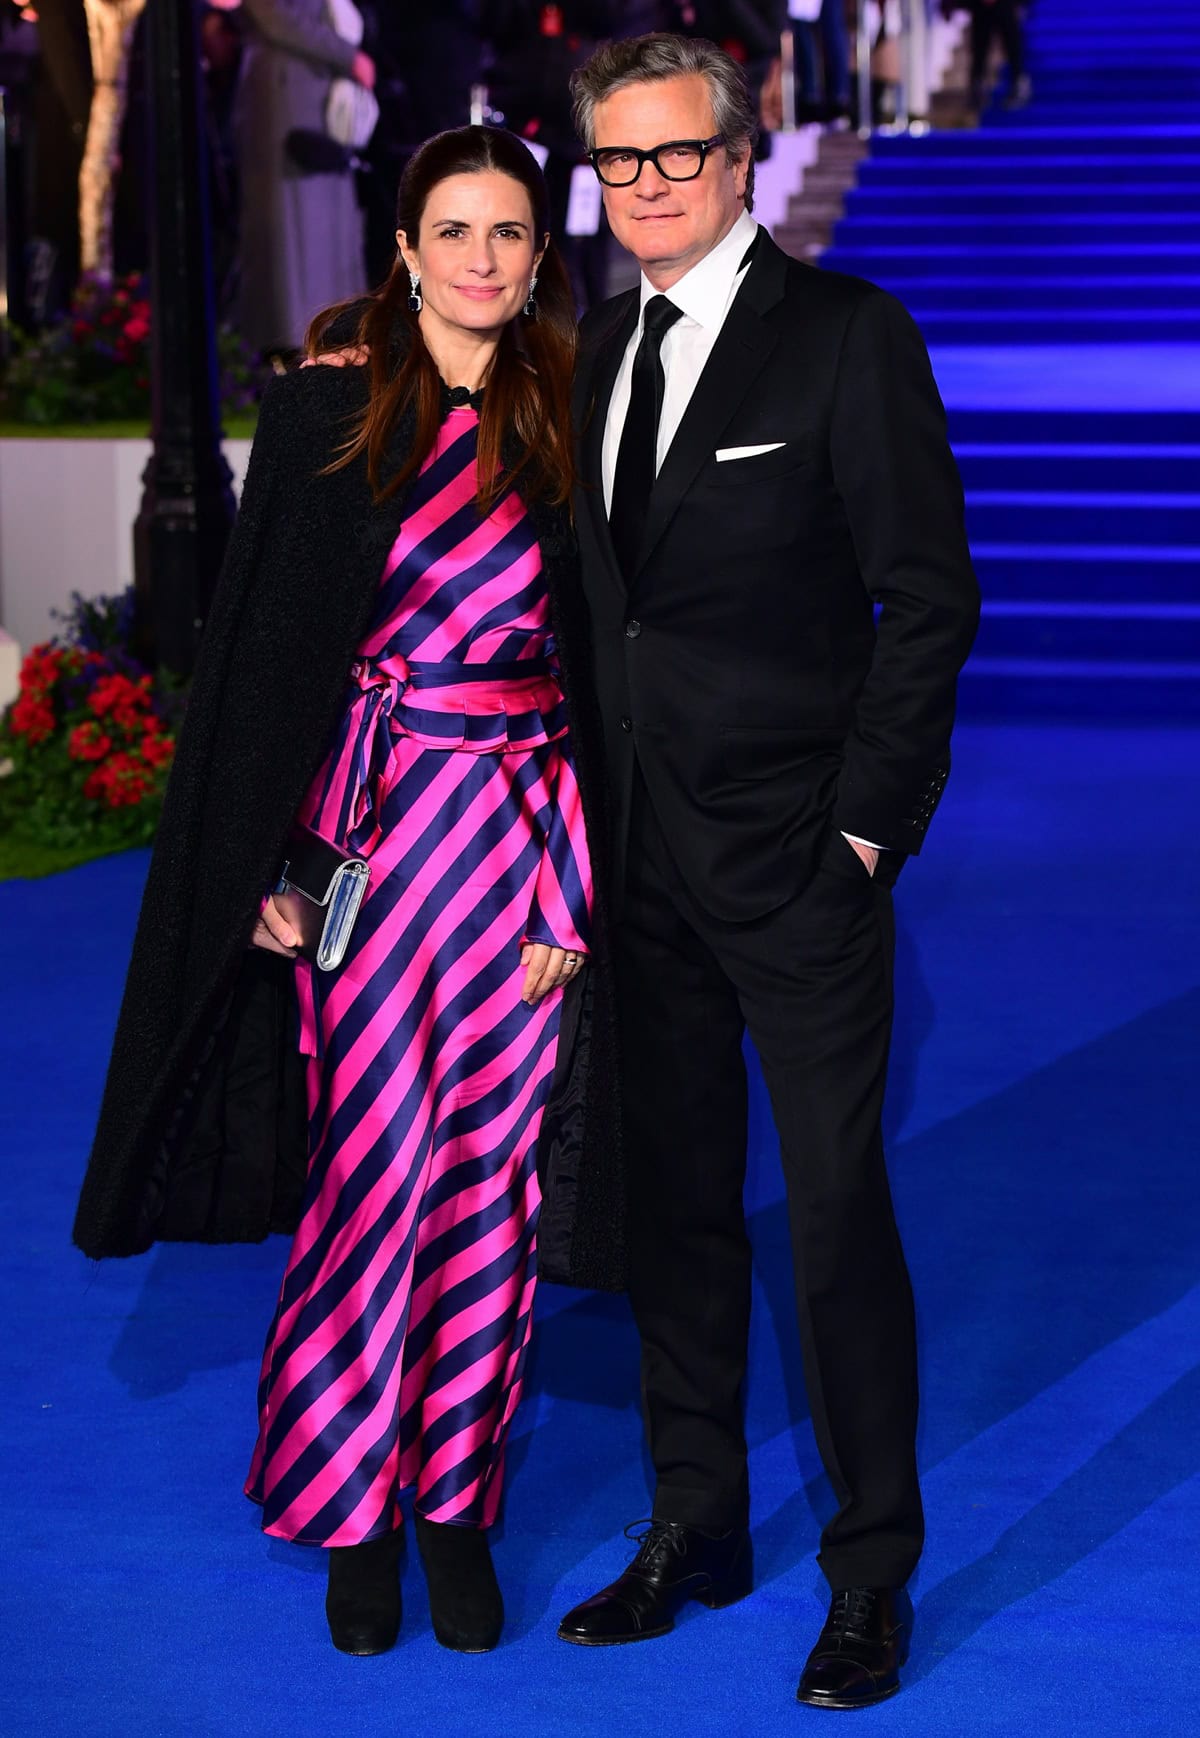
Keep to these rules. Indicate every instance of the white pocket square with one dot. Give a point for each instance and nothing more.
(724, 453)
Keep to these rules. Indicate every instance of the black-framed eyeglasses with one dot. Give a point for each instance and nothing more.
(677, 160)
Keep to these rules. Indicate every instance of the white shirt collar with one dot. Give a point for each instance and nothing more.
(703, 292)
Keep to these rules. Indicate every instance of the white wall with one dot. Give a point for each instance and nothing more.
(67, 509)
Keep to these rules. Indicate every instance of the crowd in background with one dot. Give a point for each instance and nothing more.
(300, 219)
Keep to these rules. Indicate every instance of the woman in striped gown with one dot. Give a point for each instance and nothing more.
(395, 1358)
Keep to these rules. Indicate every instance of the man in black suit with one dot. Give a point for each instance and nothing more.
(764, 462)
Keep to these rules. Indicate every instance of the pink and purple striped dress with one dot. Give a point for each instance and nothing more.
(397, 1350)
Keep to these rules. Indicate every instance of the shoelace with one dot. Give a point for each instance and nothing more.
(851, 1610)
(655, 1546)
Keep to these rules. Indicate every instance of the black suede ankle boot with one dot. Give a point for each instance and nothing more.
(363, 1601)
(464, 1595)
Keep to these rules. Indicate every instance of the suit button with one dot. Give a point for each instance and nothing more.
(632, 630)
(627, 724)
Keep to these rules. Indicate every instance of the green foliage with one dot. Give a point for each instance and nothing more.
(94, 365)
(86, 746)
(20, 860)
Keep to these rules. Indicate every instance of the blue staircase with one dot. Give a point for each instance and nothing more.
(1052, 261)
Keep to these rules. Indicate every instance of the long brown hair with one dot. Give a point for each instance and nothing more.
(526, 414)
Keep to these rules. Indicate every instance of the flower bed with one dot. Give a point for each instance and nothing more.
(94, 364)
(88, 742)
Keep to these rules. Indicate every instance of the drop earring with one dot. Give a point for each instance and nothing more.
(530, 309)
(414, 293)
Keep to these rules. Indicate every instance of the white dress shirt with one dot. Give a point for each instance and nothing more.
(705, 295)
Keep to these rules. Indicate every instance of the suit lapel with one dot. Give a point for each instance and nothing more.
(741, 352)
(593, 394)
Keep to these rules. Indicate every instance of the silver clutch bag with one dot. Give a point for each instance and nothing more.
(319, 891)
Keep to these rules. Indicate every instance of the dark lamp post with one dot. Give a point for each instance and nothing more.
(187, 506)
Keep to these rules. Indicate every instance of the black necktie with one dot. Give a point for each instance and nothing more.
(634, 475)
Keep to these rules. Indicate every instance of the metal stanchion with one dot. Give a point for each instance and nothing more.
(3, 216)
(187, 502)
(916, 65)
(787, 80)
(863, 47)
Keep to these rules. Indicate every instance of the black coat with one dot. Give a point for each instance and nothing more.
(741, 662)
(202, 1129)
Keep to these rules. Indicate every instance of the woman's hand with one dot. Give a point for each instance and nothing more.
(274, 933)
(547, 968)
(351, 356)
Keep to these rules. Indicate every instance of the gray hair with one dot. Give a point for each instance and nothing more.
(648, 59)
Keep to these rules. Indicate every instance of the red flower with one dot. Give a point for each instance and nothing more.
(137, 329)
(80, 330)
(87, 742)
(126, 702)
(33, 717)
(157, 749)
(121, 782)
(40, 670)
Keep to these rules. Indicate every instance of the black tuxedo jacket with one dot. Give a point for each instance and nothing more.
(782, 659)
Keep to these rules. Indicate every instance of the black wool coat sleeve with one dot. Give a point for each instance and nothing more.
(201, 1133)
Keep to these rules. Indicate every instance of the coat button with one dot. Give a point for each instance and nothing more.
(627, 724)
(632, 630)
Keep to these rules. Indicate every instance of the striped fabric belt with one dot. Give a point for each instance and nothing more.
(498, 708)
(393, 671)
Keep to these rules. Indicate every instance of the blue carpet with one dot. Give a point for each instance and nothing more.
(1044, 1138)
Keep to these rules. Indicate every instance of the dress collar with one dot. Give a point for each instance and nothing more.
(457, 397)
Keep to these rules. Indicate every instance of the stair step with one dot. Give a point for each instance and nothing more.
(1079, 466)
(1090, 632)
(1011, 199)
(1112, 80)
(949, 294)
(1087, 574)
(1063, 688)
(1022, 139)
(1126, 233)
(1078, 517)
(1058, 327)
(1055, 326)
(1168, 259)
(1075, 48)
(1114, 53)
(802, 209)
(977, 174)
(1045, 426)
(1065, 114)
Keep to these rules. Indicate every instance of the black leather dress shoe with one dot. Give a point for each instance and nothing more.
(363, 1601)
(859, 1652)
(674, 1564)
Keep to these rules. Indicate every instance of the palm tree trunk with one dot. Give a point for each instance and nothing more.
(111, 25)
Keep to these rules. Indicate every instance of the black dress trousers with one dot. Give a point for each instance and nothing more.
(811, 982)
